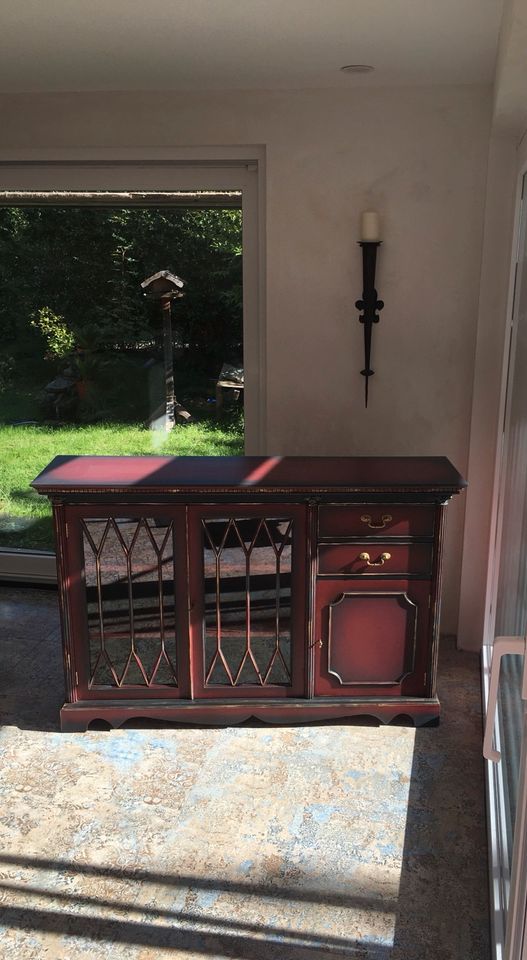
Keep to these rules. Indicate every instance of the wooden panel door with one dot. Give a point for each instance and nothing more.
(371, 638)
(247, 600)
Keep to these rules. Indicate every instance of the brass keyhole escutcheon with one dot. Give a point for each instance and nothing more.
(386, 518)
(375, 563)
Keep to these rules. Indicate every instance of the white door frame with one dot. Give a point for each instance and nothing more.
(164, 169)
(488, 401)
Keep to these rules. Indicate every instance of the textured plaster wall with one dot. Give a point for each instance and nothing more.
(416, 155)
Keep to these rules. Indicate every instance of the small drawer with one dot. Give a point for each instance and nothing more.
(362, 559)
(375, 520)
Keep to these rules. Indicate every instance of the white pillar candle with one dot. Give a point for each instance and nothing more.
(370, 226)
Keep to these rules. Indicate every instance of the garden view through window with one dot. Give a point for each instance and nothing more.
(83, 360)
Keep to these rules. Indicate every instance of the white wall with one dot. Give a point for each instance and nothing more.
(419, 156)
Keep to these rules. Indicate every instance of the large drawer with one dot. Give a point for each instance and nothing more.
(376, 520)
(361, 559)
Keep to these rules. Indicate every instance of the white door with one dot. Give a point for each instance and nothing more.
(507, 776)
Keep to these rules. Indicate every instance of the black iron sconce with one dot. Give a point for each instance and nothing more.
(369, 304)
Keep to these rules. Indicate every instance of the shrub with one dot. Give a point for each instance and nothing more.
(58, 336)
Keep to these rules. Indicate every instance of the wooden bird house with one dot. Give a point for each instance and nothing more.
(163, 285)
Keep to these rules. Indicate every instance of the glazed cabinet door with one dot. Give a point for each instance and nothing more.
(128, 610)
(371, 638)
(247, 600)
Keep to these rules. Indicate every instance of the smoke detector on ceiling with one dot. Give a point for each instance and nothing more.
(357, 68)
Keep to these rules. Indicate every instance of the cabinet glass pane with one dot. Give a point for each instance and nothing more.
(129, 574)
(247, 632)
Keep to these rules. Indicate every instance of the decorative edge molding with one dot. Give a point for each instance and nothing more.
(53, 490)
(78, 716)
(383, 594)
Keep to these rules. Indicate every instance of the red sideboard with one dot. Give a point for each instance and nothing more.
(216, 589)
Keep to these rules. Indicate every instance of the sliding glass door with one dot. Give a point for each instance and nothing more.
(83, 352)
(507, 781)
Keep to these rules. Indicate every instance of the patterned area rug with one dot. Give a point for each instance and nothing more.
(299, 843)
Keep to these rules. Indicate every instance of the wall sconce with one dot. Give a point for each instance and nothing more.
(370, 240)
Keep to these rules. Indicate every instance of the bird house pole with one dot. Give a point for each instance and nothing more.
(165, 287)
(168, 363)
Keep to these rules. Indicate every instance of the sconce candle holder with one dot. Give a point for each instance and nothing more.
(369, 304)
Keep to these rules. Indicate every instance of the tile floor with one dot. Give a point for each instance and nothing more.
(258, 843)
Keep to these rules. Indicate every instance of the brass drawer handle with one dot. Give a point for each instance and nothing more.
(375, 563)
(386, 517)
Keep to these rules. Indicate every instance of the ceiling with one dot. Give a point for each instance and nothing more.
(83, 45)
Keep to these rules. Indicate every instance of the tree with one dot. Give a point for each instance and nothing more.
(73, 273)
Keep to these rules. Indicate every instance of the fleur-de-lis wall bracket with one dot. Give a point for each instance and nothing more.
(369, 305)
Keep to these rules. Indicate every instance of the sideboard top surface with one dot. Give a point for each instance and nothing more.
(87, 474)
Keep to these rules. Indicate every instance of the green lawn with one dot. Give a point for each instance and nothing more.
(25, 451)
(111, 421)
